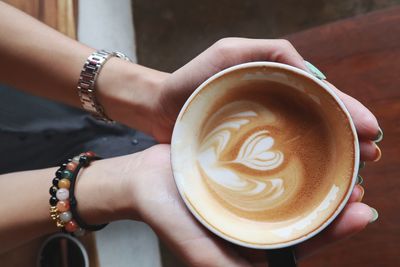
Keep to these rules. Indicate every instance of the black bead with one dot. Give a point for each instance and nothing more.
(58, 173)
(83, 159)
(53, 190)
(62, 167)
(55, 181)
(53, 201)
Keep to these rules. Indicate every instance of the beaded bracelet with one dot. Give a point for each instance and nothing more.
(63, 204)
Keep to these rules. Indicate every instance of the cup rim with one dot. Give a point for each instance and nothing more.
(355, 143)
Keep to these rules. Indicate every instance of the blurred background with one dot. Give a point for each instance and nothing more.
(356, 43)
(171, 32)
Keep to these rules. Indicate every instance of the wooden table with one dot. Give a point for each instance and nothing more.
(361, 56)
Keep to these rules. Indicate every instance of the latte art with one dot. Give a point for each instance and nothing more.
(246, 192)
(255, 153)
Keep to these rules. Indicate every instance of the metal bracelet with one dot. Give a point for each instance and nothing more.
(87, 82)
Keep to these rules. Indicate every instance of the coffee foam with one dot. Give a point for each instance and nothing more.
(263, 165)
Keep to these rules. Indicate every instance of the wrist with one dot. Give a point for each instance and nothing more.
(103, 191)
(128, 93)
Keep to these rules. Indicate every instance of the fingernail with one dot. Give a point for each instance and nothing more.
(314, 71)
(361, 165)
(360, 180)
(378, 154)
(379, 136)
(360, 197)
(375, 215)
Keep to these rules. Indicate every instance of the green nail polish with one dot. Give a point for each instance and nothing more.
(375, 215)
(360, 180)
(379, 136)
(361, 165)
(316, 72)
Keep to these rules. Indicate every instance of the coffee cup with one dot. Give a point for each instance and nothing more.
(264, 155)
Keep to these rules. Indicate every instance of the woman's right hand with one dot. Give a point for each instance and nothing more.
(158, 203)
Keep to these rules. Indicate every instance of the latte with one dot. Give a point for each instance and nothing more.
(261, 156)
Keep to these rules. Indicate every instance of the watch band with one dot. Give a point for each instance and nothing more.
(87, 82)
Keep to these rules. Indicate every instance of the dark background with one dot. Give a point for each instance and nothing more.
(169, 33)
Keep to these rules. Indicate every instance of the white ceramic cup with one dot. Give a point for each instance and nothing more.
(182, 143)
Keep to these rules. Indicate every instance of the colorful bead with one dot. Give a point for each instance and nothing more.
(66, 174)
(71, 166)
(55, 181)
(76, 159)
(79, 232)
(65, 216)
(90, 154)
(64, 183)
(53, 190)
(62, 194)
(83, 159)
(59, 173)
(71, 226)
(53, 201)
(62, 205)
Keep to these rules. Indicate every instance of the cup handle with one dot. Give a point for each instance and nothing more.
(283, 257)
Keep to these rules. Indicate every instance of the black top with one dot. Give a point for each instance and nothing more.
(37, 133)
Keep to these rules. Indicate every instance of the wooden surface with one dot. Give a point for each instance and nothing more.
(361, 56)
(58, 14)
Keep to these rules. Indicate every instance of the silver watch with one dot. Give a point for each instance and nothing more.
(87, 82)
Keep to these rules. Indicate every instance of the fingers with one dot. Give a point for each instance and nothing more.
(284, 52)
(369, 151)
(228, 52)
(365, 122)
(234, 51)
(357, 194)
(354, 218)
(193, 244)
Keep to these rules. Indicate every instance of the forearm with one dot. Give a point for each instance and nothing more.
(101, 191)
(38, 59)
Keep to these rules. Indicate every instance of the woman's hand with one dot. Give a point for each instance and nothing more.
(178, 86)
(159, 204)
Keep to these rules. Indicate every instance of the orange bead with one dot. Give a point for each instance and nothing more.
(64, 183)
(90, 154)
(71, 226)
(62, 205)
(71, 166)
